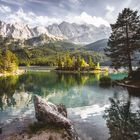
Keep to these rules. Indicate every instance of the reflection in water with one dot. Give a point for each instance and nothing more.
(7, 89)
(44, 84)
(81, 93)
(123, 119)
(11, 94)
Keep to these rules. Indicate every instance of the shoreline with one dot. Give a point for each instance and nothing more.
(109, 71)
(20, 130)
(103, 69)
(18, 72)
(128, 84)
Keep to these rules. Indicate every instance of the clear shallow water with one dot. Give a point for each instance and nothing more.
(85, 100)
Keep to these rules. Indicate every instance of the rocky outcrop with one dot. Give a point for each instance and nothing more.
(56, 115)
(52, 124)
(49, 113)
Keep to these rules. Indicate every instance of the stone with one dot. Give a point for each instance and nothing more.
(62, 109)
(49, 113)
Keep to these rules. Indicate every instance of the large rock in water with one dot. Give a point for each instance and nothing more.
(49, 113)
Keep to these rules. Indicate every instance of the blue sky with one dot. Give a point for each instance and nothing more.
(45, 12)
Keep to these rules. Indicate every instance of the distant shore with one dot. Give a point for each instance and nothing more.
(48, 69)
(103, 69)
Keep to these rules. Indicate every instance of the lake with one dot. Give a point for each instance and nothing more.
(98, 112)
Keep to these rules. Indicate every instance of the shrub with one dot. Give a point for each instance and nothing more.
(105, 81)
(8, 61)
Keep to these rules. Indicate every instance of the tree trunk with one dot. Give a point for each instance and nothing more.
(130, 64)
(128, 50)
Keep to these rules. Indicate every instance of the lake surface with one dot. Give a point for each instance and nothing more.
(98, 113)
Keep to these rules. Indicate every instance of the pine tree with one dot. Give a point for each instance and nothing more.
(124, 39)
(59, 62)
(68, 61)
(90, 62)
(78, 62)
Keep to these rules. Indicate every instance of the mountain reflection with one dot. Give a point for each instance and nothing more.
(123, 119)
(11, 94)
(42, 84)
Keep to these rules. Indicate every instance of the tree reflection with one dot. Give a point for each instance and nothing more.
(7, 89)
(123, 123)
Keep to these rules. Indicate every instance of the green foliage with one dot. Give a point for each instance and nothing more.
(124, 39)
(68, 61)
(122, 121)
(78, 62)
(98, 66)
(72, 63)
(83, 63)
(8, 61)
(105, 81)
(49, 54)
(90, 62)
(60, 62)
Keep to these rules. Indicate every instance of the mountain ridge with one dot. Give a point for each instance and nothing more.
(76, 33)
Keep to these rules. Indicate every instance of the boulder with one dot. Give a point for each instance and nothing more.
(49, 113)
(62, 109)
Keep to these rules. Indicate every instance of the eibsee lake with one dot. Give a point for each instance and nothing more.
(98, 113)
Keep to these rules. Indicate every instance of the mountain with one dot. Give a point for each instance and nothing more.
(16, 30)
(80, 33)
(76, 33)
(42, 40)
(97, 46)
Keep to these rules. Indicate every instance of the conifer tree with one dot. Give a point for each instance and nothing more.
(124, 39)
(90, 62)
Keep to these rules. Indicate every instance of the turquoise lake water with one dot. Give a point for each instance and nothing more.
(98, 113)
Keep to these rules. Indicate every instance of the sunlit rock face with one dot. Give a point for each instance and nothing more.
(80, 33)
(15, 30)
(76, 33)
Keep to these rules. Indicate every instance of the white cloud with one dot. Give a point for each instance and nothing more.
(4, 9)
(85, 18)
(32, 19)
(75, 1)
(110, 13)
(110, 8)
(14, 2)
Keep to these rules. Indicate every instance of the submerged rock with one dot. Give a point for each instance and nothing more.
(49, 113)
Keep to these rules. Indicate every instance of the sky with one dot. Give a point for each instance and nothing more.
(46, 12)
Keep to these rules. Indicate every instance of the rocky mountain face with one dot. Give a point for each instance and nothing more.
(73, 32)
(19, 31)
(82, 34)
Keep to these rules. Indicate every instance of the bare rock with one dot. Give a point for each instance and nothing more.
(49, 113)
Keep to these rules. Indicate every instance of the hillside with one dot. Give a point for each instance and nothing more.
(99, 45)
